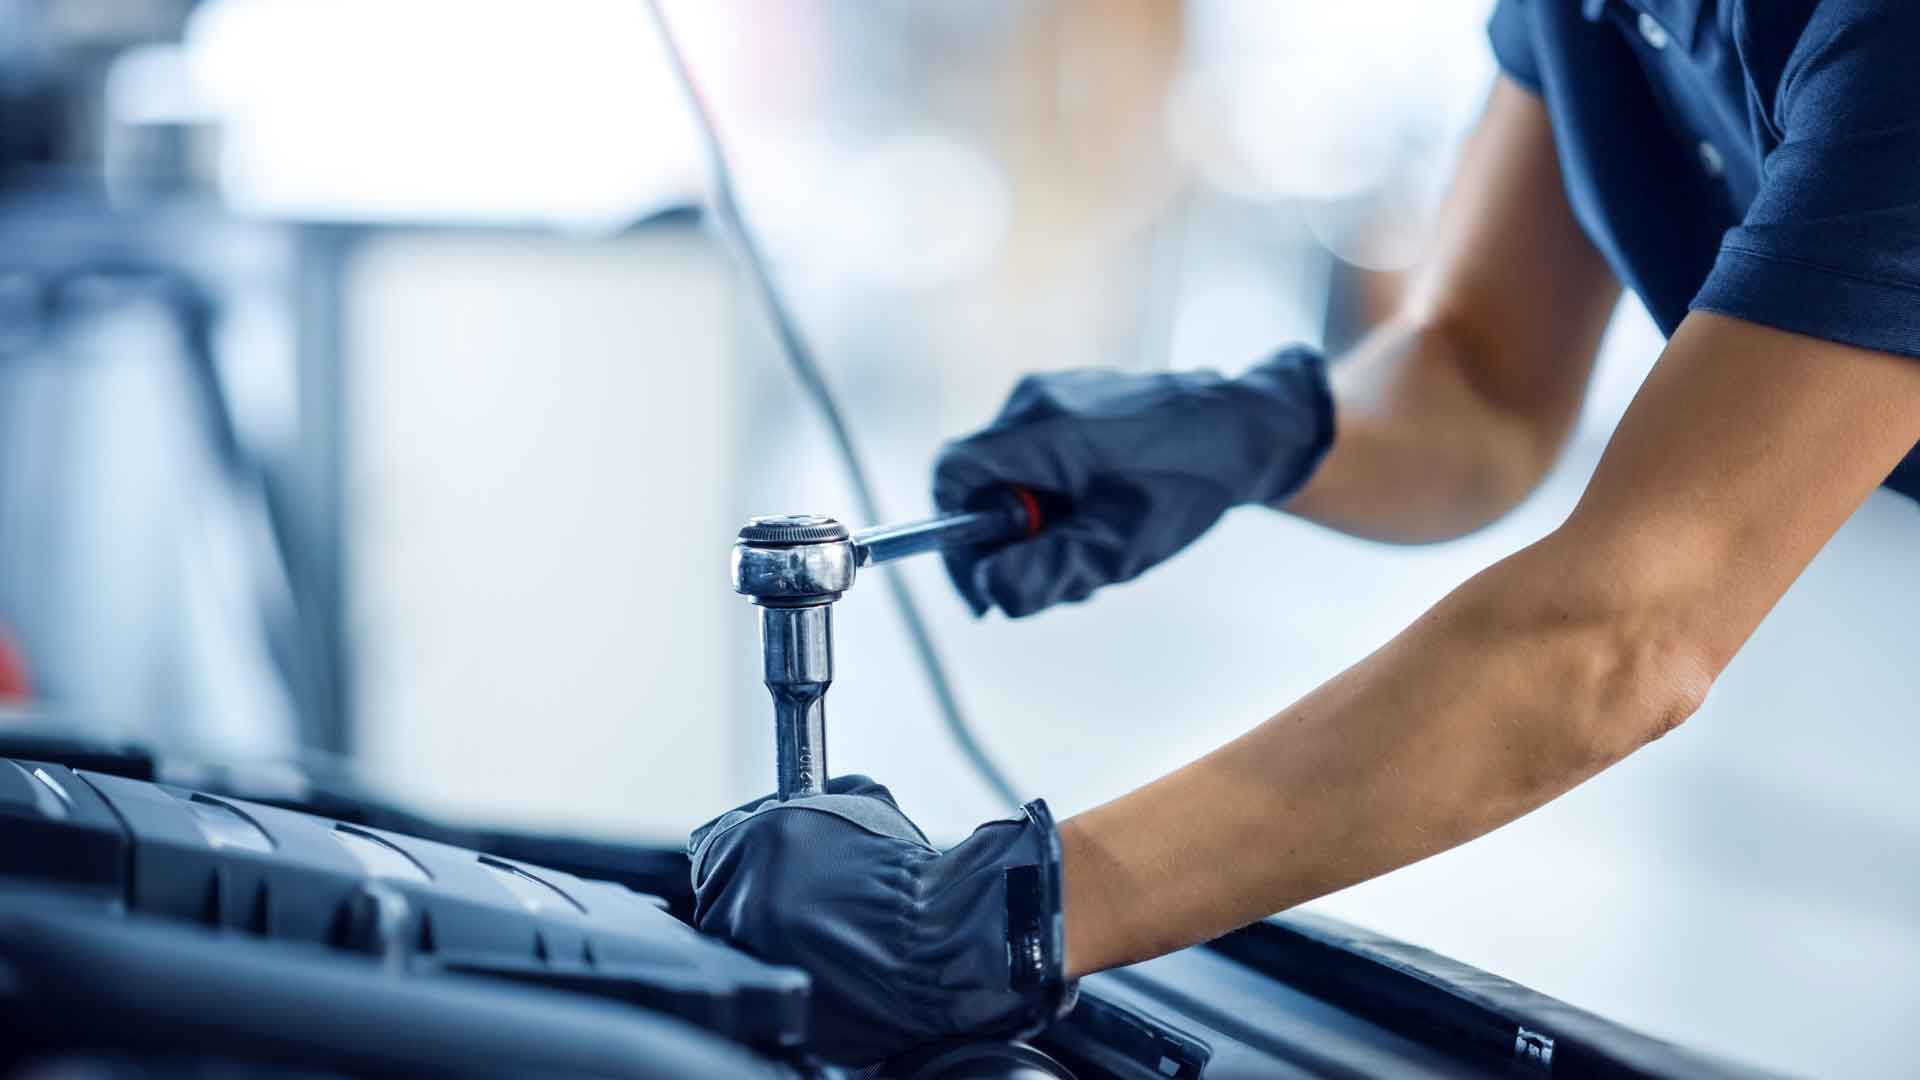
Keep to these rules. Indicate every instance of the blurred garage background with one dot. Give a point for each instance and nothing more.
(370, 386)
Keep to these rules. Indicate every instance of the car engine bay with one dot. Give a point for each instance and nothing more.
(286, 924)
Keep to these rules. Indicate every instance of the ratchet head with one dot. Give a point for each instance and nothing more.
(795, 566)
(793, 560)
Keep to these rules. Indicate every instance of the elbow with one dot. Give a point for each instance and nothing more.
(1479, 491)
(1642, 684)
(1506, 474)
(1623, 657)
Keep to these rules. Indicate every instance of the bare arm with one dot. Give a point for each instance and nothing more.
(1744, 451)
(1450, 412)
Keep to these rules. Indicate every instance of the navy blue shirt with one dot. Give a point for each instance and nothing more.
(1757, 158)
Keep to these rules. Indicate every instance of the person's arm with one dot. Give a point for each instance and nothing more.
(1451, 412)
(1743, 453)
(1438, 423)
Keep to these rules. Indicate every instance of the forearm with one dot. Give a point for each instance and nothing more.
(1506, 694)
(1745, 449)
(1420, 453)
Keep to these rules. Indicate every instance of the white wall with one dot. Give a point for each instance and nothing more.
(544, 448)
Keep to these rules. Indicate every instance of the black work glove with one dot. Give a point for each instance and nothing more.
(1145, 463)
(906, 944)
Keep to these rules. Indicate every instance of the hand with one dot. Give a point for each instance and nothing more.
(1145, 463)
(905, 944)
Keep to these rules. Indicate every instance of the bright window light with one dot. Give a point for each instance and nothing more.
(511, 111)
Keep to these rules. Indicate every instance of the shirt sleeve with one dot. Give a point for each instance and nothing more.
(1831, 244)
(1511, 32)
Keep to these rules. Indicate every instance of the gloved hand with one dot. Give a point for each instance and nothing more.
(906, 944)
(1145, 463)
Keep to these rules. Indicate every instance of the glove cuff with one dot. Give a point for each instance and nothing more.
(1294, 408)
(1036, 928)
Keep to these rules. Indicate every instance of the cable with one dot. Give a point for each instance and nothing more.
(733, 224)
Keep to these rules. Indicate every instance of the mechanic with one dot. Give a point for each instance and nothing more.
(1752, 172)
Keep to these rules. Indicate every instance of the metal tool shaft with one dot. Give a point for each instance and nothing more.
(885, 543)
(798, 647)
(794, 567)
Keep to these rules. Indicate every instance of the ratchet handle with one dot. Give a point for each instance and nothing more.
(1003, 516)
(1023, 512)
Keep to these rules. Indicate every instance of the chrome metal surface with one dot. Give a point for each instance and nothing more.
(792, 573)
(794, 567)
(792, 529)
(885, 543)
(797, 646)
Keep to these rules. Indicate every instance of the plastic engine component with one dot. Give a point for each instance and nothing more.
(90, 992)
(395, 903)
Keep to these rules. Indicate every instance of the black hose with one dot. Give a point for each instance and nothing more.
(733, 224)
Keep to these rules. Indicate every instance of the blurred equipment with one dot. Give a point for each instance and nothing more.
(164, 539)
(726, 210)
(15, 685)
(794, 567)
(127, 471)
